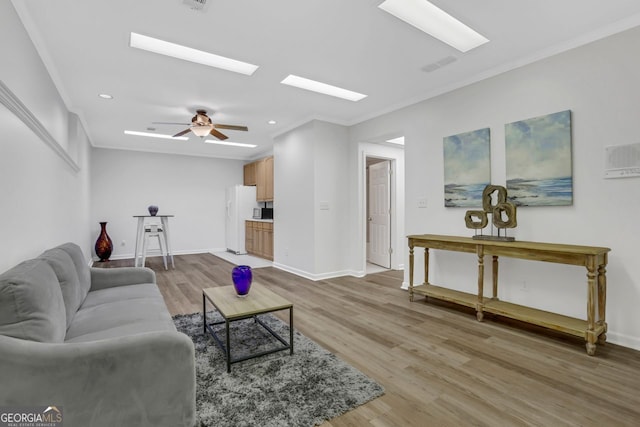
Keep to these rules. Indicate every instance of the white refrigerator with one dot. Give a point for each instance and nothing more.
(240, 202)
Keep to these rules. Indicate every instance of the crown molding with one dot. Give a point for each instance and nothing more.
(13, 103)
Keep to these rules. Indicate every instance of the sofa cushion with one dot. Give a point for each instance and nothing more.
(120, 311)
(72, 293)
(31, 303)
(82, 266)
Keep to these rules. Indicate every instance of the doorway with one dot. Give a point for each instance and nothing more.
(378, 213)
(371, 153)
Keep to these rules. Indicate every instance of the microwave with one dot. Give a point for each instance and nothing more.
(262, 213)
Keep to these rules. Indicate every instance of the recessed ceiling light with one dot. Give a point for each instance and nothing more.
(435, 22)
(399, 140)
(272, 122)
(105, 96)
(323, 88)
(155, 135)
(235, 144)
(189, 54)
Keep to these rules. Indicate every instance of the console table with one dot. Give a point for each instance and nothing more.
(593, 258)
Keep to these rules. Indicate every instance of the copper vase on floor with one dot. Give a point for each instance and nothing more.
(104, 245)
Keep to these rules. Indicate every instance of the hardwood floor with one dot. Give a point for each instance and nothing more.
(439, 366)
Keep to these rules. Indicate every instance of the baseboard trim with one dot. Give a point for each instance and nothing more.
(315, 277)
(623, 340)
(157, 254)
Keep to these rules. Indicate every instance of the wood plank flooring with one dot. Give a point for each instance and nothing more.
(439, 366)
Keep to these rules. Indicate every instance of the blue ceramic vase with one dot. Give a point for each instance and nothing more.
(242, 277)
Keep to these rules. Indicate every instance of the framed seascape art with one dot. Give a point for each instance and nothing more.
(467, 168)
(538, 156)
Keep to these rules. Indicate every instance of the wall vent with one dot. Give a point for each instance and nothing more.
(622, 161)
(198, 5)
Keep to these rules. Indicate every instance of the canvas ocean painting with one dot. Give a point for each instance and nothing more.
(538, 156)
(467, 168)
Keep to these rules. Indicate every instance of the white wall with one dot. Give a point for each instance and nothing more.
(24, 73)
(293, 206)
(45, 198)
(125, 183)
(599, 84)
(311, 169)
(331, 199)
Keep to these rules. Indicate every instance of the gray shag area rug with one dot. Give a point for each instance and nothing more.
(279, 389)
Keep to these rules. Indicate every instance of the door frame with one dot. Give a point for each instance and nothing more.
(366, 149)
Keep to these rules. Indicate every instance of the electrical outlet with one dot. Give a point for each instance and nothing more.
(422, 202)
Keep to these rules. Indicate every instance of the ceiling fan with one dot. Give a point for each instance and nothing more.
(202, 126)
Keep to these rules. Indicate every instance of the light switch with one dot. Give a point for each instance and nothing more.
(324, 206)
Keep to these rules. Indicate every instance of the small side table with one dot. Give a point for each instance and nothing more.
(259, 301)
(164, 219)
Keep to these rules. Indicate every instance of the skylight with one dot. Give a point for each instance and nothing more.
(174, 50)
(235, 144)
(399, 140)
(155, 135)
(435, 22)
(326, 89)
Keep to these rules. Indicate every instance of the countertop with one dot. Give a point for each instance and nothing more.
(259, 220)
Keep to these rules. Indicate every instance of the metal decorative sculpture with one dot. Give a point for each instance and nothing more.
(503, 214)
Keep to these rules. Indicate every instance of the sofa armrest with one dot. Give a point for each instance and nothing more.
(102, 278)
(138, 380)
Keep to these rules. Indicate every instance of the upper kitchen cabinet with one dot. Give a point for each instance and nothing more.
(267, 180)
(260, 174)
(250, 174)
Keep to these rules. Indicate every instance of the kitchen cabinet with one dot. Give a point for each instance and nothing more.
(260, 174)
(268, 178)
(250, 174)
(259, 239)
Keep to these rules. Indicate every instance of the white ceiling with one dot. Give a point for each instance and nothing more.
(348, 43)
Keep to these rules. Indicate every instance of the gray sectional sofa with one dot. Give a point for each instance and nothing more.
(99, 343)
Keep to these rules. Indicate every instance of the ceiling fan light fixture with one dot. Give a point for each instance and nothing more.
(201, 130)
(185, 53)
(436, 22)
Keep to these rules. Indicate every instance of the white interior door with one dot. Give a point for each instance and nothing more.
(379, 217)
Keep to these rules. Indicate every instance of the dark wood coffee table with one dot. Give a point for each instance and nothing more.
(260, 300)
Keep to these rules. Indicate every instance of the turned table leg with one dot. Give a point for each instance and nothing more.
(410, 272)
(602, 301)
(479, 306)
(591, 308)
(495, 277)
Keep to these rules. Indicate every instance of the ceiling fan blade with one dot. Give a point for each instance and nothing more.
(231, 127)
(219, 135)
(181, 133)
(170, 123)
